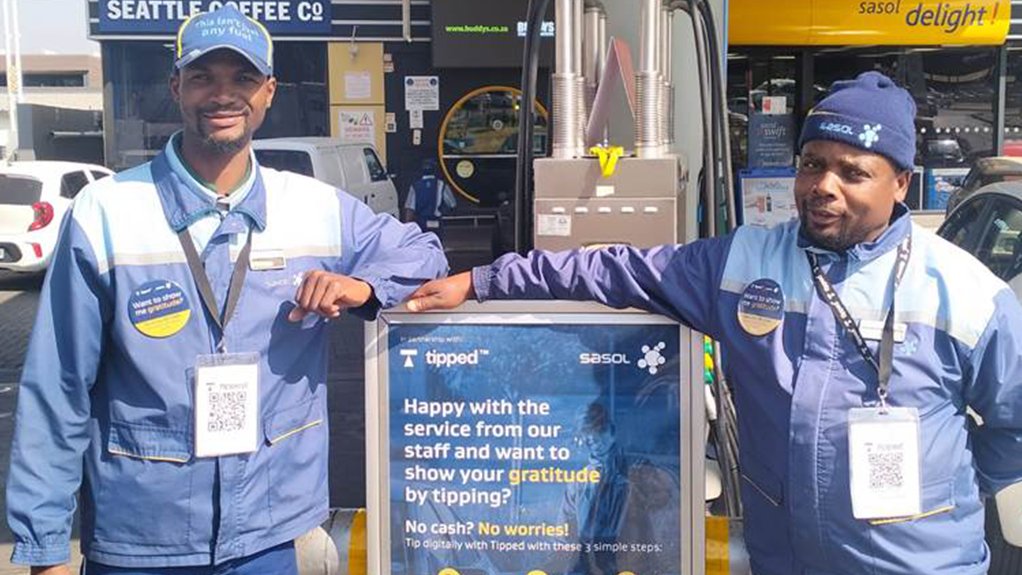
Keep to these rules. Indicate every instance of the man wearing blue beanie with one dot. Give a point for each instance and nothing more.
(855, 342)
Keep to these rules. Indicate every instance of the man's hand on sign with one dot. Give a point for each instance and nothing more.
(328, 294)
(51, 570)
(447, 293)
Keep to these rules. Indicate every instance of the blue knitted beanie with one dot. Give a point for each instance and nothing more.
(871, 113)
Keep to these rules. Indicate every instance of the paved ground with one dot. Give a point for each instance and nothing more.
(19, 297)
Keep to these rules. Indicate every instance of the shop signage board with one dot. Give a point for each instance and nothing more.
(163, 17)
(550, 437)
(868, 22)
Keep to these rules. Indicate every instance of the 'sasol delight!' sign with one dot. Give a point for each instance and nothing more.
(870, 22)
(947, 17)
(162, 17)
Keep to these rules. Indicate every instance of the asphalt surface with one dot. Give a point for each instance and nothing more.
(19, 298)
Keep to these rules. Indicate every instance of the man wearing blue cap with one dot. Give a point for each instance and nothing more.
(177, 369)
(856, 341)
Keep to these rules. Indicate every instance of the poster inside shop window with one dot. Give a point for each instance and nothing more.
(533, 449)
(767, 196)
(941, 183)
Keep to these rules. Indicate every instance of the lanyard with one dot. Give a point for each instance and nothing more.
(826, 290)
(206, 290)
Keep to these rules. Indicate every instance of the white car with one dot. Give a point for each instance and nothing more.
(354, 168)
(33, 199)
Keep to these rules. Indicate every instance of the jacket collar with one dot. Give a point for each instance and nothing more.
(184, 202)
(899, 227)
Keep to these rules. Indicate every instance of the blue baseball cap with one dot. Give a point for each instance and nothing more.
(224, 28)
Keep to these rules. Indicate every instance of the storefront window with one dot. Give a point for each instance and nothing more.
(479, 143)
(144, 114)
(955, 95)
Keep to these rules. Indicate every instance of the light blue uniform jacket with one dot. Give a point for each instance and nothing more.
(96, 389)
(795, 386)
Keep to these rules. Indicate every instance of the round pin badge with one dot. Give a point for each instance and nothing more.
(761, 308)
(159, 308)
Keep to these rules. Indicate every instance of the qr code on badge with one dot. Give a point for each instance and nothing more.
(226, 411)
(886, 466)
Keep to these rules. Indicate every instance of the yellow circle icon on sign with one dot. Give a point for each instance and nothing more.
(626, 573)
(537, 572)
(448, 571)
(465, 169)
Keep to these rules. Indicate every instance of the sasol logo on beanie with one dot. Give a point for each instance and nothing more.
(836, 128)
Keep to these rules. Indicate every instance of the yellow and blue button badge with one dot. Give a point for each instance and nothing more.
(761, 308)
(159, 309)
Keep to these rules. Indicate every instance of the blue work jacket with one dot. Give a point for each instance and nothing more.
(112, 393)
(795, 385)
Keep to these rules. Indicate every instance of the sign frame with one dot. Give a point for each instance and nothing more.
(691, 409)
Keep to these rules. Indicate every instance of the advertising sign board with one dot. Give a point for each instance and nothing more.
(163, 17)
(534, 442)
(868, 22)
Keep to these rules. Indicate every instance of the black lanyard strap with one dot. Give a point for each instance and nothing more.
(206, 290)
(841, 314)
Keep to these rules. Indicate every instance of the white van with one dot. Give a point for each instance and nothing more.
(354, 168)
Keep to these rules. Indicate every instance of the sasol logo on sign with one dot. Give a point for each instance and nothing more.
(837, 128)
(603, 359)
(451, 359)
(651, 360)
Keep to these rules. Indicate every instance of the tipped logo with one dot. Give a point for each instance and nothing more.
(408, 355)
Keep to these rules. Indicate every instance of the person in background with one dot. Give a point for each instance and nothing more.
(429, 199)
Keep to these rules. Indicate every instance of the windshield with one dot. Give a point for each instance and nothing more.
(19, 190)
(286, 160)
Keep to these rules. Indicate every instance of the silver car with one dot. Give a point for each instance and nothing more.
(988, 224)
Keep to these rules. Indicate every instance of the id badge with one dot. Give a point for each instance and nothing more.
(883, 451)
(226, 404)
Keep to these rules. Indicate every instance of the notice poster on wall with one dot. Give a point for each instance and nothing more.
(356, 126)
(422, 93)
(544, 449)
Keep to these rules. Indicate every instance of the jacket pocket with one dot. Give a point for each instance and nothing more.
(296, 465)
(763, 482)
(950, 531)
(155, 444)
(766, 515)
(146, 472)
(937, 498)
(284, 423)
